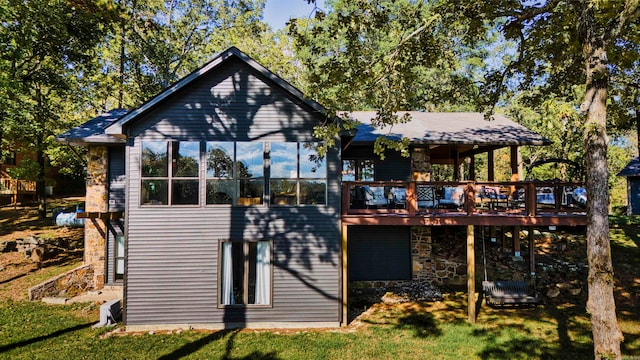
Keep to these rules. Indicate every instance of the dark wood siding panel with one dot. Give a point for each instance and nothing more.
(379, 253)
(393, 167)
(232, 103)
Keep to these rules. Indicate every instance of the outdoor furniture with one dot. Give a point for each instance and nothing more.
(426, 196)
(507, 293)
(453, 196)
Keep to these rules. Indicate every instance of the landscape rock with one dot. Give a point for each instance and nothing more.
(553, 293)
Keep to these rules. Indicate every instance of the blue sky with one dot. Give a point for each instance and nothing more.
(278, 12)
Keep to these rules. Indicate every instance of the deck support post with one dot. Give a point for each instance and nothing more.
(344, 278)
(532, 252)
(471, 274)
(516, 243)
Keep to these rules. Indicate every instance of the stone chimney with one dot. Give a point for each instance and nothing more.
(95, 230)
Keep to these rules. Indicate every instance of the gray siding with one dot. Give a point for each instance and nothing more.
(117, 178)
(172, 267)
(379, 253)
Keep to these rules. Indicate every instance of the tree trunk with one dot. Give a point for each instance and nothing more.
(601, 304)
(40, 184)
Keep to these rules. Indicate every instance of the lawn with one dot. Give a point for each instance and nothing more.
(435, 330)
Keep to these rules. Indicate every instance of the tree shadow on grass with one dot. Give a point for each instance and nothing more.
(34, 340)
(519, 344)
(194, 346)
(423, 324)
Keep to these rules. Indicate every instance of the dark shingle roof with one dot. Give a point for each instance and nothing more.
(93, 131)
(632, 168)
(449, 128)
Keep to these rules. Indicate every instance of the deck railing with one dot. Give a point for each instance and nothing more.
(15, 186)
(459, 198)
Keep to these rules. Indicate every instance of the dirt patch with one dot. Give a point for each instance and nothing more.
(19, 271)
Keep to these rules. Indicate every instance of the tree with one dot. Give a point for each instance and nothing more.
(158, 42)
(369, 53)
(384, 55)
(46, 45)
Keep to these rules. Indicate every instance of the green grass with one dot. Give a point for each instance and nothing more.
(414, 331)
(421, 331)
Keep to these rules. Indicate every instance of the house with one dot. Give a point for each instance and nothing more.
(210, 206)
(12, 189)
(632, 173)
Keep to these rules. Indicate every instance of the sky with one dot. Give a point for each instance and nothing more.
(278, 12)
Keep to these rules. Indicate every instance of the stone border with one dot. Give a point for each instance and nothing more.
(69, 284)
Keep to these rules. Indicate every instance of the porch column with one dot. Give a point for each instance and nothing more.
(471, 274)
(472, 167)
(490, 163)
(344, 278)
(515, 176)
(96, 201)
(420, 164)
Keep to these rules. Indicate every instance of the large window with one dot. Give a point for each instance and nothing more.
(298, 174)
(245, 273)
(358, 170)
(180, 180)
(235, 172)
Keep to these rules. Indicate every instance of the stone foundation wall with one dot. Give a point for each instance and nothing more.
(426, 266)
(67, 285)
(378, 284)
(96, 201)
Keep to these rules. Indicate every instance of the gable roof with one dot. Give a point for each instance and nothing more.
(218, 59)
(93, 131)
(448, 128)
(632, 168)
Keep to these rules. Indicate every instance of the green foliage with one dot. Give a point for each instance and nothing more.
(384, 55)
(27, 169)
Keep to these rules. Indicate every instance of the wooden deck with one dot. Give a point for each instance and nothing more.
(14, 188)
(524, 203)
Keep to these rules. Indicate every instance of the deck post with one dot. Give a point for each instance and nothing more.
(532, 252)
(516, 242)
(412, 199)
(514, 163)
(472, 167)
(344, 278)
(490, 164)
(471, 274)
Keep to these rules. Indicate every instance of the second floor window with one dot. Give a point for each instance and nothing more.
(235, 173)
(170, 173)
(298, 175)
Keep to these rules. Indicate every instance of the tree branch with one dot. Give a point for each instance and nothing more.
(630, 13)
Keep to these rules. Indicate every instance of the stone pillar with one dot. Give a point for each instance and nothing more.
(96, 201)
(420, 164)
(422, 265)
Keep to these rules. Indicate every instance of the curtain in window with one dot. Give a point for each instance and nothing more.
(227, 274)
(263, 275)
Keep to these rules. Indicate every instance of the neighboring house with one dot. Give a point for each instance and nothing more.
(632, 173)
(11, 190)
(210, 206)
